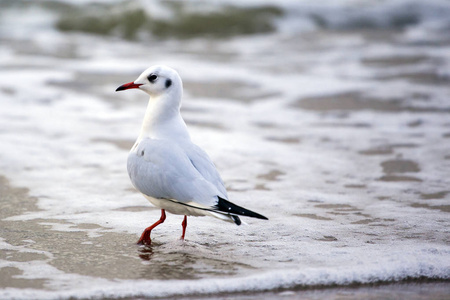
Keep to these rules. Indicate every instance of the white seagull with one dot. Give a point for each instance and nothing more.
(166, 167)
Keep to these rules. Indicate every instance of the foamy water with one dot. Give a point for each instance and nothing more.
(341, 138)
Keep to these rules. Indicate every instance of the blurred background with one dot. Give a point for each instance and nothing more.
(330, 117)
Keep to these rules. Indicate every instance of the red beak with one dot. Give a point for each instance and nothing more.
(129, 85)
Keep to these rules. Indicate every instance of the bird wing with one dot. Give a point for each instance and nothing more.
(162, 169)
(201, 161)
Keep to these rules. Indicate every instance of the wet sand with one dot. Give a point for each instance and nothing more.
(416, 290)
(107, 254)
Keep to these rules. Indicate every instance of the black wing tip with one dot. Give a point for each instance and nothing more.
(231, 208)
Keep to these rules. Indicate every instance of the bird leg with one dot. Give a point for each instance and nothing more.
(145, 237)
(184, 224)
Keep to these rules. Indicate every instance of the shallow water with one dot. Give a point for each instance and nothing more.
(340, 136)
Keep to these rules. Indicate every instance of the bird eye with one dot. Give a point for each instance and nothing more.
(152, 78)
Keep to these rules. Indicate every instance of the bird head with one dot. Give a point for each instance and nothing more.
(155, 81)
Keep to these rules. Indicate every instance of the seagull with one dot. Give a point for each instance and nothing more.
(164, 165)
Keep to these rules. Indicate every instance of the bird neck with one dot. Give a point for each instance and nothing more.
(163, 119)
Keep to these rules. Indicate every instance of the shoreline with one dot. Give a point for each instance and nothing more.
(412, 288)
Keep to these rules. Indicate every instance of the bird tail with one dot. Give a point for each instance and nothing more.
(233, 210)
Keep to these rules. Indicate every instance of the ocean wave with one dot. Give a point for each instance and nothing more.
(357, 15)
(176, 19)
(425, 263)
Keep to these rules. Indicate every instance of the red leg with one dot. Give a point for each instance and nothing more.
(145, 237)
(184, 224)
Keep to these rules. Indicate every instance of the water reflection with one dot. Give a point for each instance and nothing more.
(146, 253)
(183, 260)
